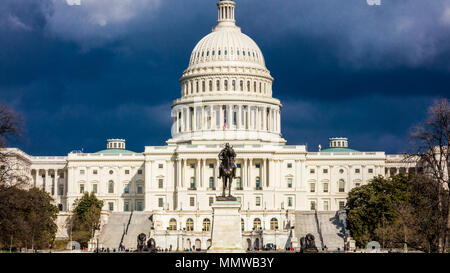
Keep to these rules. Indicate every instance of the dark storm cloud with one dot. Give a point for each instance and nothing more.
(110, 68)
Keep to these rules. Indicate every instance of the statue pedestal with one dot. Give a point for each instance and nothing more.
(226, 228)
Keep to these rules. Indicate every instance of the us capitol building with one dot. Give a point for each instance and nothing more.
(166, 191)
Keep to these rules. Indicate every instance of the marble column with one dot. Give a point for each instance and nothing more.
(250, 182)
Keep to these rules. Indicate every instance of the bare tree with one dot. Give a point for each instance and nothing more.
(430, 143)
(12, 164)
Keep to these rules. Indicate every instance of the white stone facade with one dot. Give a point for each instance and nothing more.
(226, 96)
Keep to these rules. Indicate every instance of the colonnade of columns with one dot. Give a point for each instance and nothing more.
(50, 180)
(227, 117)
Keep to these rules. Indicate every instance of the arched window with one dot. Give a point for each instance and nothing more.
(206, 224)
(218, 85)
(242, 224)
(189, 224)
(203, 86)
(341, 185)
(256, 224)
(111, 186)
(241, 85)
(254, 87)
(273, 224)
(210, 85)
(173, 224)
(233, 83)
(248, 86)
(226, 85)
(196, 86)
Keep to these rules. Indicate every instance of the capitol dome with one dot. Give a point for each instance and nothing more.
(226, 91)
(228, 46)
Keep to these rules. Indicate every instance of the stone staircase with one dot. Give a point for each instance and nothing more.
(125, 227)
(140, 223)
(111, 232)
(324, 225)
(331, 229)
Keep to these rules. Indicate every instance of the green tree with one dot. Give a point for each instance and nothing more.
(27, 218)
(86, 218)
(399, 212)
(371, 206)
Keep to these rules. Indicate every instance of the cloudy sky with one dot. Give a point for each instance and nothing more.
(82, 71)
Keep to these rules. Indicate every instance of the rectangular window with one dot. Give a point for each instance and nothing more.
(61, 190)
(370, 170)
(211, 182)
(289, 201)
(139, 188)
(95, 172)
(312, 187)
(325, 187)
(357, 184)
(341, 205)
(238, 199)
(160, 166)
(257, 165)
(111, 206)
(126, 189)
(325, 170)
(160, 183)
(81, 188)
(258, 201)
(192, 182)
(325, 205)
(94, 188)
(81, 171)
(258, 183)
(139, 206)
(312, 171)
(211, 166)
(238, 183)
(356, 170)
(313, 205)
(289, 165)
(192, 201)
(126, 206)
(139, 171)
(289, 182)
(238, 165)
(127, 171)
(211, 200)
(192, 166)
(160, 202)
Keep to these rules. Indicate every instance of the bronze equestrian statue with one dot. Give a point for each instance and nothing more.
(227, 170)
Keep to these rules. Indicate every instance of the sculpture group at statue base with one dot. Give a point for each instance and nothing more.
(307, 244)
(142, 246)
(226, 227)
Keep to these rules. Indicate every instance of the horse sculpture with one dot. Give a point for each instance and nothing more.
(141, 238)
(227, 170)
(307, 244)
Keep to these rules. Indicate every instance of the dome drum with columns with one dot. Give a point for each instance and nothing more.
(226, 92)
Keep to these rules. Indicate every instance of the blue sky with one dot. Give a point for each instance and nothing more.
(80, 74)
